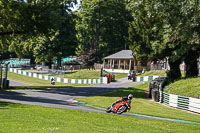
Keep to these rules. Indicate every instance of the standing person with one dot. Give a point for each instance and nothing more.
(129, 76)
(133, 75)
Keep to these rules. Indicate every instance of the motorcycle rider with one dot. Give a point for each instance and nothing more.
(129, 98)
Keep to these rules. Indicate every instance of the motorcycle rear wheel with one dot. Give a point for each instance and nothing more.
(121, 109)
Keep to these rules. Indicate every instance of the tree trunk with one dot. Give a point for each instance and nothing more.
(58, 62)
(174, 72)
(191, 64)
(49, 63)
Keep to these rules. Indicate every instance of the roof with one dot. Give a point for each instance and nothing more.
(124, 54)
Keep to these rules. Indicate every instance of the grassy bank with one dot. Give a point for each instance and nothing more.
(152, 73)
(140, 104)
(91, 74)
(185, 87)
(16, 118)
(35, 83)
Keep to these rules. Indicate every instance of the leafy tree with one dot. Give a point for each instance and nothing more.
(41, 28)
(183, 20)
(166, 29)
(145, 31)
(106, 22)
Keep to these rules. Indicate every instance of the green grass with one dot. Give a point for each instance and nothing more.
(35, 83)
(140, 104)
(83, 74)
(185, 87)
(152, 73)
(17, 118)
(120, 75)
(91, 74)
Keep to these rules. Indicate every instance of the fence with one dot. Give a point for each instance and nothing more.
(180, 102)
(103, 80)
(146, 78)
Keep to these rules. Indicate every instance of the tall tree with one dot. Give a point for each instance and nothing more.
(106, 22)
(165, 29)
(37, 27)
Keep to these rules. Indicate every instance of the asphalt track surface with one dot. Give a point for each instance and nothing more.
(65, 97)
(12, 82)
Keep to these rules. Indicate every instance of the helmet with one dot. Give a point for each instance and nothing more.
(130, 96)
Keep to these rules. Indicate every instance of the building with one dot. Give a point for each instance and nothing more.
(123, 62)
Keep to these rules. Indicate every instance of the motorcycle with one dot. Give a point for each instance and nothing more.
(119, 107)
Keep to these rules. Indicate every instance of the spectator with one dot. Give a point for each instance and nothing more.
(129, 76)
(133, 75)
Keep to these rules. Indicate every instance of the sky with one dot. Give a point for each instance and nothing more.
(76, 7)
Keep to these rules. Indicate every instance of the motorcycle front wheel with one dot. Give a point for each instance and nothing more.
(108, 110)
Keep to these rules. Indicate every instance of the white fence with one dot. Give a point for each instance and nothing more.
(103, 80)
(180, 102)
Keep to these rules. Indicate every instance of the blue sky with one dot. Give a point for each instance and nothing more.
(76, 7)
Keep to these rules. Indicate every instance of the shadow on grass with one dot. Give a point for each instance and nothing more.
(6, 105)
(137, 93)
(70, 72)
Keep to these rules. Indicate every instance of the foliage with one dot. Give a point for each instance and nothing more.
(88, 56)
(166, 29)
(44, 28)
(144, 30)
(105, 23)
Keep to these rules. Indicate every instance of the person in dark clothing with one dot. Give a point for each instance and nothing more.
(133, 75)
(129, 98)
(52, 81)
(129, 76)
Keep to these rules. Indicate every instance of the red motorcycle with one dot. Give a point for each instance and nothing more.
(119, 107)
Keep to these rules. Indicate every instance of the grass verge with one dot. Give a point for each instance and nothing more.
(91, 74)
(185, 87)
(17, 118)
(152, 73)
(35, 83)
(140, 104)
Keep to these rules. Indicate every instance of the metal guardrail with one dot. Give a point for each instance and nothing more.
(176, 101)
(180, 102)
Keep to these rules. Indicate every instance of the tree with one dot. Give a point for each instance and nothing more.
(144, 30)
(106, 22)
(40, 27)
(165, 29)
(183, 20)
(88, 56)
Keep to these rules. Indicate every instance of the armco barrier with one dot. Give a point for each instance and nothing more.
(103, 80)
(180, 102)
(145, 78)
